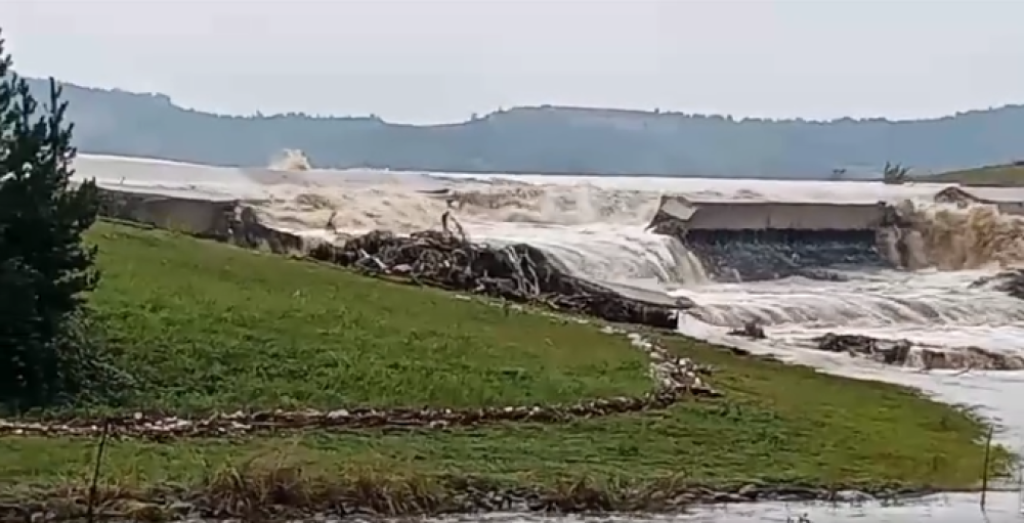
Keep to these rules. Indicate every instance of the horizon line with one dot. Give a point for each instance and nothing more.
(612, 111)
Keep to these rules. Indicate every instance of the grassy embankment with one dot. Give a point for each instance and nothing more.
(205, 326)
(1011, 175)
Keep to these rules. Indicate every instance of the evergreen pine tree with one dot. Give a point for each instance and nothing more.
(45, 268)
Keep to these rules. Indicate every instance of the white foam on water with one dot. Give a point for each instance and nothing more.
(1001, 507)
(594, 226)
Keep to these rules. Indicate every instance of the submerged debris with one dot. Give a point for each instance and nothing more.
(1011, 282)
(904, 353)
(751, 329)
(892, 353)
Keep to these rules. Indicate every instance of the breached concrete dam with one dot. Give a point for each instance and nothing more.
(763, 240)
(734, 241)
(714, 229)
(907, 271)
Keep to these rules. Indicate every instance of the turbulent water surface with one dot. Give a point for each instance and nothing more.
(949, 508)
(596, 228)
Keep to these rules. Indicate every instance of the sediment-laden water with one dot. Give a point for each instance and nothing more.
(596, 228)
(1001, 507)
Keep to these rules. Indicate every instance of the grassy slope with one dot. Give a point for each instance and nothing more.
(995, 175)
(216, 326)
(207, 326)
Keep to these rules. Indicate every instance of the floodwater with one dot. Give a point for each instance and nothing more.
(595, 226)
(947, 508)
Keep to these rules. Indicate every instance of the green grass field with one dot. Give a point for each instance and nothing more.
(777, 424)
(206, 326)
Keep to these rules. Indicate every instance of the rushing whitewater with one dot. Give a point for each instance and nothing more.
(596, 227)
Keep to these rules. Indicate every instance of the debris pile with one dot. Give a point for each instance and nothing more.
(241, 423)
(518, 273)
(676, 379)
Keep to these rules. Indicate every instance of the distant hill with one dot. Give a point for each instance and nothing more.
(550, 140)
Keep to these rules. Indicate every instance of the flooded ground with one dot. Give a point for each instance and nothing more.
(946, 508)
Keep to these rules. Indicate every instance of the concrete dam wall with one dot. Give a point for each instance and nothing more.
(221, 219)
(200, 217)
(757, 240)
(769, 216)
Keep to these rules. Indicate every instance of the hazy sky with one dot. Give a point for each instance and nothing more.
(435, 60)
